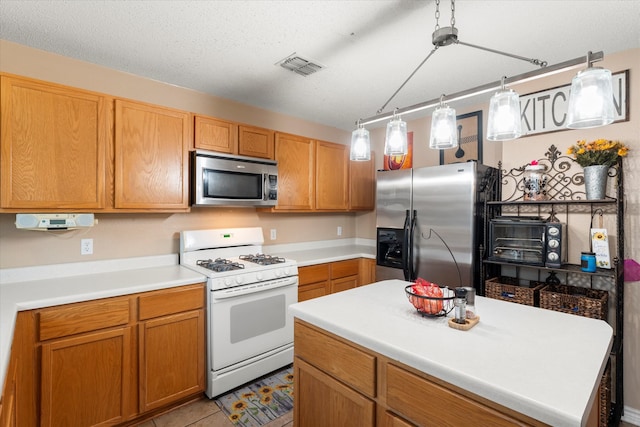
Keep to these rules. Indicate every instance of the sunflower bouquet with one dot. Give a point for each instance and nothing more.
(598, 152)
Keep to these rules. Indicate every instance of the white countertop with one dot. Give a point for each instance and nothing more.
(310, 253)
(49, 285)
(541, 363)
(27, 288)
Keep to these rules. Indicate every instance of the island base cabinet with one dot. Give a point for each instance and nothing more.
(84, 379)
(426, 403)
(327, 402)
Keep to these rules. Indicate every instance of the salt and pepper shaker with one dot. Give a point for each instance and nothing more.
(470, 297)
(460, 306)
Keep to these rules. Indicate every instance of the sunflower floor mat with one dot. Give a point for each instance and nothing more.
(260, 402)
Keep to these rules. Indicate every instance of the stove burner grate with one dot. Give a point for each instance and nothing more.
(219, 264)
(262, 259)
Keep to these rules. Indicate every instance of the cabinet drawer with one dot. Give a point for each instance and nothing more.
(313, 290)
(82, 317)
(436, 405)
(170, 301)
(346, 363)
(346, 268)
(313, 274)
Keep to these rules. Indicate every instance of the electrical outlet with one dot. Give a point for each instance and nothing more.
(273, 234)
(86, 246)
(339, 230)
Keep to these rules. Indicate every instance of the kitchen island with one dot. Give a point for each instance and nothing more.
(519, 364)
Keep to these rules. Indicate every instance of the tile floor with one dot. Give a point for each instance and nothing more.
(205, 413)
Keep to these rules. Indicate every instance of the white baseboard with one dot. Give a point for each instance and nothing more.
(631, 416)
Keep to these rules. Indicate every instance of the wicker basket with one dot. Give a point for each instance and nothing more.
(575, 300)
(605, 396)
(508, 289)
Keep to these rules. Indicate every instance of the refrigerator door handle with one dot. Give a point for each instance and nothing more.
(412, 269)
(406, 246)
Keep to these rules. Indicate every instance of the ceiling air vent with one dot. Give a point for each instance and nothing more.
(300, 65)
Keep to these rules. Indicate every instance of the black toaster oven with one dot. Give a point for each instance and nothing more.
(527, 240)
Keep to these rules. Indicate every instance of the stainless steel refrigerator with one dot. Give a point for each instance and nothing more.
(430, 222)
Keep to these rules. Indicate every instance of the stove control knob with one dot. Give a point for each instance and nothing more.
(552, 256)
(278, 273)
(227, 281)
(553, 243)
(239, 280)
(259, 277)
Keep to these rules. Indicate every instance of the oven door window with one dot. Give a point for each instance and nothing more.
(518, 243)
(251, 324)
(219, 184)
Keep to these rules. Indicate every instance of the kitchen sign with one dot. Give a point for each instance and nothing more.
(546, 111)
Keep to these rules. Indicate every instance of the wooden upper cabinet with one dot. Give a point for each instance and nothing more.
(216, 135)
(151, 157)
(52, 146)
(362, 185)
(256, 142)
(332, 176)
(296, 172)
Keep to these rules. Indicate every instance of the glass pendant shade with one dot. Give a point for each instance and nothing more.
(396, 141)
(360, 145)
(443, 129)
(590, 99)
(504, 116)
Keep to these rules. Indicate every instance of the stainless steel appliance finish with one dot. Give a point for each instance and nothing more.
(527, 240)
(225, 180)
(250, 332)
(429, 222)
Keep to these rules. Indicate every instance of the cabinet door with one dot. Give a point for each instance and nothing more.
(256, 142)
(296, 172)
(332, 176)
(367, 271)
(313, 290)
(171, 355)
(323, 401)
(391, 420)
(344, 283)
(216, 135)
(84, 379)
(52, 146)
(362, 185)
(151, 163)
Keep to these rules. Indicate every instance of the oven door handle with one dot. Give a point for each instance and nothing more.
(254, 288)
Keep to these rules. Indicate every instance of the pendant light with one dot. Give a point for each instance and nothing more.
(395, 143)
(591, 98)
(443, 127)
(504, 121)
(360, 144)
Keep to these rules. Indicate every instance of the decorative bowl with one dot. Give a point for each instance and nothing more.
(431, 306)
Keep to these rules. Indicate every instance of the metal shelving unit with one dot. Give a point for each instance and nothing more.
(565, 191)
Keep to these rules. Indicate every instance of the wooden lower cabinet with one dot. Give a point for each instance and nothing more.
(172, 353)
(85, 379)
(106, 362)
(339, 383)
(328, 402)
(328, 278)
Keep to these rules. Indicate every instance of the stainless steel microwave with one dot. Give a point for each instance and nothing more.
(226, 180)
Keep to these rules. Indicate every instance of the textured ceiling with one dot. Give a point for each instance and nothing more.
(230, 48)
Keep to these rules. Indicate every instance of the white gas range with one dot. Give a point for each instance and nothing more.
(249, 328)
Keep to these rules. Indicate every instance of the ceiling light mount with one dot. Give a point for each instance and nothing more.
(445, 36)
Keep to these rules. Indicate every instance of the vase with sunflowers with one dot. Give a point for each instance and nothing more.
(596, 157)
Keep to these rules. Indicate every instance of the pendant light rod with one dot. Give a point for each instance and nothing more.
(533, 61)
(407, 80)
(520, 78)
